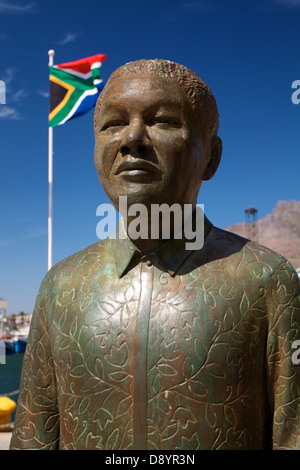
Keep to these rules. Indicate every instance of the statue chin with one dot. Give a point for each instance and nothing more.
(142, 193)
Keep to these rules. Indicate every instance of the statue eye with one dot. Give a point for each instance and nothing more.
(167, 121)
(114, 124)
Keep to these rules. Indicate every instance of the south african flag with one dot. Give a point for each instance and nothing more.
(74, 88)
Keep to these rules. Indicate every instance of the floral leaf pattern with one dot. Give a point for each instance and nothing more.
(217, 344)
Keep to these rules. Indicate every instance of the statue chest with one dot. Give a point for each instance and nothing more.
(151, 361)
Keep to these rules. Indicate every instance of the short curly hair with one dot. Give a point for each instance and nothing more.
(197, 91)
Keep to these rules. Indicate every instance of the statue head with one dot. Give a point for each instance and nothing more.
(156, 125)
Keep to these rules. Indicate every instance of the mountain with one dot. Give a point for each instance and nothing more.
(279, 230)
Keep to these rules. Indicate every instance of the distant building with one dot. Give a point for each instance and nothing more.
(18, 322)
(3, 308)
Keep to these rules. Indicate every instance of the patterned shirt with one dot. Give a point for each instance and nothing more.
(174, 350)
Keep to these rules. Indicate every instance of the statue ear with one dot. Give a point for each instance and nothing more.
(214, 152)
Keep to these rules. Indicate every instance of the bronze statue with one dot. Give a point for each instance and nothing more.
(143, 344)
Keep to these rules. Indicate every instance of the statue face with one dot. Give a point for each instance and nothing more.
(147, 143)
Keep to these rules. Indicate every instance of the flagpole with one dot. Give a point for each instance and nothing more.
(50, 177)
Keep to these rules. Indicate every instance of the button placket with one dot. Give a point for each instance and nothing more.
(140, 392)
(148, 261)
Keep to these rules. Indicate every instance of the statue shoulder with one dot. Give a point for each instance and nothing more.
(254, 257)
(281, 269)
(75, 266)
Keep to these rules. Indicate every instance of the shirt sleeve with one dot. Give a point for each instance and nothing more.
(36, 424)
(282, 368)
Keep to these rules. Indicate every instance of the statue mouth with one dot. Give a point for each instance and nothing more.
(137, 168)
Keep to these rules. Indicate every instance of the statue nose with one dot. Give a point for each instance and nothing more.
(136, 139)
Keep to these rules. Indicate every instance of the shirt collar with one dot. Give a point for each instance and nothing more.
(171, 254)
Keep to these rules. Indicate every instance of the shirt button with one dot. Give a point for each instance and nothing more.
(149, 263)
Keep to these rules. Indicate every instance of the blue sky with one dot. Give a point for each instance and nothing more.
(248, 53)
